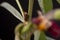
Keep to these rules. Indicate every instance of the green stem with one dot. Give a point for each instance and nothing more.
(30, 8)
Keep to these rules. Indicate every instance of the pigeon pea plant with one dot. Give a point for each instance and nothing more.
(24, 30)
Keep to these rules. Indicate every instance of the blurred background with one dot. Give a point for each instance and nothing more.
(8, 22)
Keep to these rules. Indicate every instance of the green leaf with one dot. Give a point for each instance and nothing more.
(36, 34)
(57, 14)
(42, 36)
(13, 11)
(26, 27)
(46, 5)
(20, 7)
(19, 28)
(30, 8)
(18, 31)
(58, 1)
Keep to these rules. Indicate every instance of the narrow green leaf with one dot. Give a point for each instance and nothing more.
(30, 8)
(58, 1)
(11, 9)
(42, 36)
(46, 5)
(20, 7)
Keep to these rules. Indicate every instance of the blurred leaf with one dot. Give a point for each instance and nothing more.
(18, 31)
(26, 27)
(49, 38)
(37, 34)
(58, 1)
(42, 36)
(11, 9)
(57, 14)
(46, 5)
(30, 8)
(49, 15)
(19, 28)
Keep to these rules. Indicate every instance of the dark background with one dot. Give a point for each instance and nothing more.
(8, 21)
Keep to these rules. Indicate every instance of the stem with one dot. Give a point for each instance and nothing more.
(30, 8)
